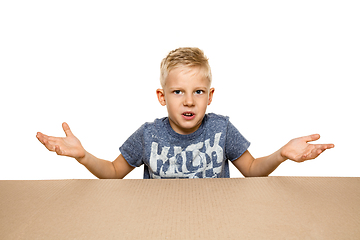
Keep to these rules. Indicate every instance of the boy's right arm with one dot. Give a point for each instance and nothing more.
(70, 146)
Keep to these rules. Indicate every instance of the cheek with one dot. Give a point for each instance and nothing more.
(173, 100)
(205, 100)
(171, 105)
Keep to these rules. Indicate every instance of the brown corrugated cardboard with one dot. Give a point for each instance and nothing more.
(242, 208)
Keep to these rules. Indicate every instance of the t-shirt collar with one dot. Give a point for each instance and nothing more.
(174, 134)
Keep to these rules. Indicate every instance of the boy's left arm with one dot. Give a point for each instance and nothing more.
(298, 150)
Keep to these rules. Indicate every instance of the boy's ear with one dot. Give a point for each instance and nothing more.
(211, 94)
(161, 96)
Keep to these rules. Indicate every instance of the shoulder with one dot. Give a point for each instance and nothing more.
(158, 126)
(216, 122)
(216, 118)
(158, 123)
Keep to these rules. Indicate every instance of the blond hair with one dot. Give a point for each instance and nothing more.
(184, 57)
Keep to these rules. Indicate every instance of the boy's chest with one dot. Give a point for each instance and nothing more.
(199, 158)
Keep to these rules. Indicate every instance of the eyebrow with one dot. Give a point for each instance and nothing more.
(198, 87)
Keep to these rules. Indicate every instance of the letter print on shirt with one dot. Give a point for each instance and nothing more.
(189, 162)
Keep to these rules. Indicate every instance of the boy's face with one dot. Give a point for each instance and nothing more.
(186, 94)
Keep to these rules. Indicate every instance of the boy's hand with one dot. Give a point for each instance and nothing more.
(300, 150)
(66, 146)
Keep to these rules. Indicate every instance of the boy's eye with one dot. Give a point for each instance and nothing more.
(199, 91)
(177, 92)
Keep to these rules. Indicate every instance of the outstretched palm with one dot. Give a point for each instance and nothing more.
(66, 146)
(300, 150)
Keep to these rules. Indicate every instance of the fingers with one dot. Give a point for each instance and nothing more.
(315, 137)
(39, 136)
(48, 142)
(42, 137)
(322, 147)
(55, 144)
(312, 137)
(316, 151)
(66, 129)
(311, 154)
(58, 150)
(327, 146)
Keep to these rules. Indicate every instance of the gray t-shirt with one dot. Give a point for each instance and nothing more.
(201, 154)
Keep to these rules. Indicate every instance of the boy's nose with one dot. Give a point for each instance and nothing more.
(188, 101)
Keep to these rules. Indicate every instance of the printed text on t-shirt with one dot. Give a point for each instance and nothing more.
(190, 162)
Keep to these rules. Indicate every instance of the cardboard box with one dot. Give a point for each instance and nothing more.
(240, 208)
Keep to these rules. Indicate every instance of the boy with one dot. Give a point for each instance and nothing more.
(188, 143)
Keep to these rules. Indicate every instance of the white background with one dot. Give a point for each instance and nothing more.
(281, 69)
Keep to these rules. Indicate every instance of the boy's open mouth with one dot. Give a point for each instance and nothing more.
(188, 115)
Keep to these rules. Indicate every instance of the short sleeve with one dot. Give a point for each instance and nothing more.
(236, 144)
(134, 147)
